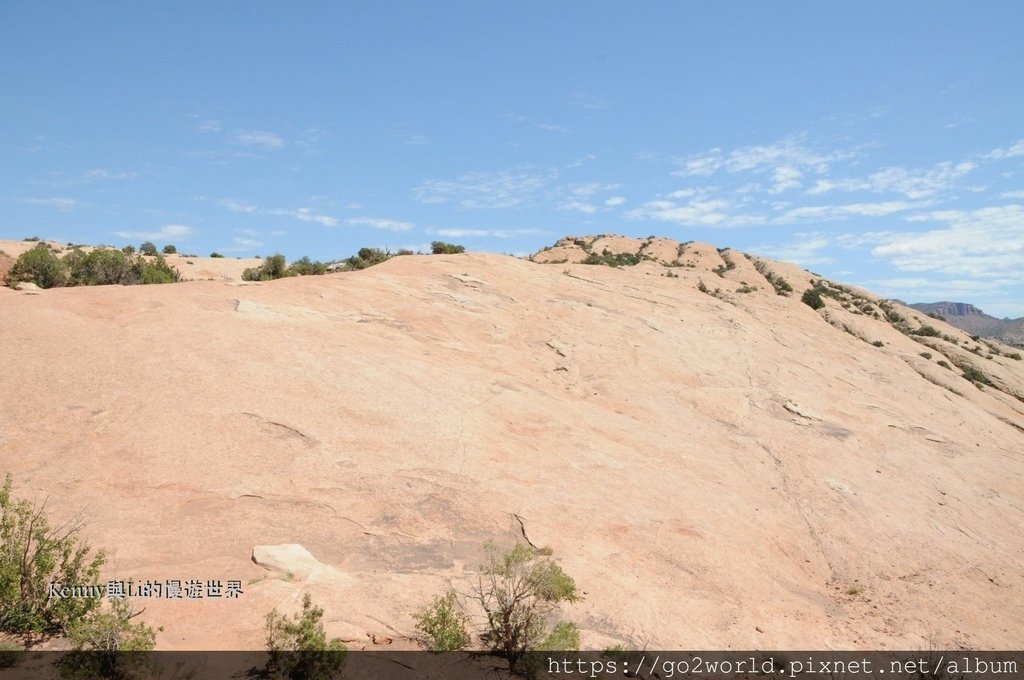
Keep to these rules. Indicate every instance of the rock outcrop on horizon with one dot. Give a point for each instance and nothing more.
(716, 463)
(969, 318)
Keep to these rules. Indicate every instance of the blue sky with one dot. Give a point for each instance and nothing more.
(877, 143)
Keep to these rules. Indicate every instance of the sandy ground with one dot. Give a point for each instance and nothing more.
(737, 471)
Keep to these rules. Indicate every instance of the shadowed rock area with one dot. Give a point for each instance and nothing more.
(716, 464)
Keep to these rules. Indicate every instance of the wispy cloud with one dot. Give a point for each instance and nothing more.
(62, 203)
(614, 201)
(486, 190)
(986, 244)
(787, 157)
(804, 250)
(260, 138)
(302, 214)
(97, 174)
(1016, 149)
(912, 183)
(843, 211)
(1019, 193)
(498, 233)
(379, 223)
(550, 127)
(167, 231)
(698, 211)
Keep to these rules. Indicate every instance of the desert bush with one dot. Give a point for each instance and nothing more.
(103, 267)
(944, 364)
(927, 331)
(158, 271)
(34, 554)
(926, 355)
(39, 266)
(273, 267)
(148, 248)
(878, 343)
(30, 238)
(215, 254)
(306, 267)
(442, 625)
(975, 375)
(170, 249)
(520, 590)
(1015, 356)
(298, 646)
(367, 257)
(442, 248)
(102, 643)
(128, 250)
(812, 298)
(609, 259)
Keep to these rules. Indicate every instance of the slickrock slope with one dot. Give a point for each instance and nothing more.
(716, 470)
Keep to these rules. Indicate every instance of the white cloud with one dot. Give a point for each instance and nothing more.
(986, 243)
(378, 223)
(1016, 149)
(614, 201)
(580, 206)
(237, 206)
(803, 251)
(789, 152)
(307, 215)
(912, 183)
(62, 203)
(699, 211)
(97, 174)
(785, 177)
(168, 231)
(245, 243)
(208, 126)
(302, 214)
(498, 233)
(261, 138)
(485, 190)
(1019, 193)
(553, 128)
(839, 212)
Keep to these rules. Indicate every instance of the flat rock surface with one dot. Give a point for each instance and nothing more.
(733, 471)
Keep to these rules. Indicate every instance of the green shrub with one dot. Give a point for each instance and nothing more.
(148, 248)
(812, 298)
(610, 259)
(128, 250)
(1015, 356)
(944, 364)
(926, 355)
(927, 331)
(215, 254)
(32, 556)
(878, 343)
(30, 238)
(520, 591)
(158, 271)
(299, 648)
(273, 267)
(443, 627)
(306, 267)
(442, 248)
(170, 249)
(39, 266)
(104, 644)
(975, 375)
(103, 267)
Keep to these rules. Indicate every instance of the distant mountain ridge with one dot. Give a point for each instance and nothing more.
(976, 322)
